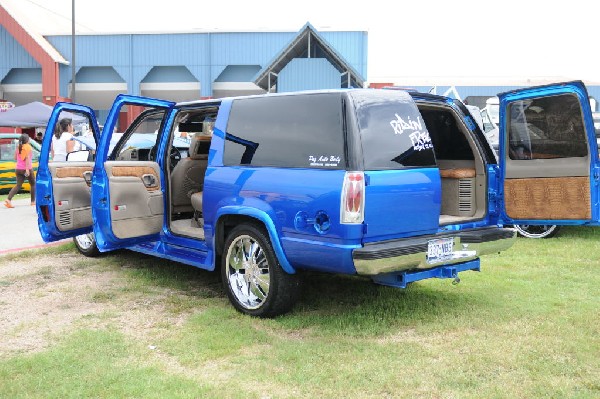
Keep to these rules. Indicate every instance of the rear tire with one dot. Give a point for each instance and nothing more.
(255, 283)
(86, 244)
(532, 231)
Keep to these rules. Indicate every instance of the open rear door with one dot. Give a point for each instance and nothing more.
(63, 187)
(548, 156)
(128, 181)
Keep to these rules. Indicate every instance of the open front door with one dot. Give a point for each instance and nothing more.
(548, 156)
(63, 180)
(128, 179)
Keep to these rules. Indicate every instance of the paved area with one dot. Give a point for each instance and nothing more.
(18, 227)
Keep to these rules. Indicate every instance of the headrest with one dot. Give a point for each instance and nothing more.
(199, 147)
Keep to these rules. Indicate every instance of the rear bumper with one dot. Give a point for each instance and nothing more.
(411, 253)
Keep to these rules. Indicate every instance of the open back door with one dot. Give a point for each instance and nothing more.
(63, 186)
(548, 156)
(128, 181)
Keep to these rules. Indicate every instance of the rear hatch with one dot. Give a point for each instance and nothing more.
(403, 186)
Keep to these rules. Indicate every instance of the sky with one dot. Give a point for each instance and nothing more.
(433, 41)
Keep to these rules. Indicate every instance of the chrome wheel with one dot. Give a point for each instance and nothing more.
(86, 244)
(248, 272)
(85, 241)
(541, 231)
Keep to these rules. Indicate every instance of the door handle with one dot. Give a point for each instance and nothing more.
(149, 180)
(87, 176)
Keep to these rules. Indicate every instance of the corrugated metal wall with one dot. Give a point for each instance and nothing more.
(13, 55)
(307, 74)
(206, 55)
(353, 46)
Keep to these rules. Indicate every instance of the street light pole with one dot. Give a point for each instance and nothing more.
(73, 50)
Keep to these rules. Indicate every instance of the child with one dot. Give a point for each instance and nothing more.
(24, 170)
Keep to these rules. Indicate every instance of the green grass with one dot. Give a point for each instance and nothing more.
(50, 250)
(527, 326)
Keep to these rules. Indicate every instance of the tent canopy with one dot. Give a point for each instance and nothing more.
(35, 114)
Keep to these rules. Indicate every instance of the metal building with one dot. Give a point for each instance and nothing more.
(178, 66)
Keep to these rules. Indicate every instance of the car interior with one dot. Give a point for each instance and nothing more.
(186, 177)
(462, 169)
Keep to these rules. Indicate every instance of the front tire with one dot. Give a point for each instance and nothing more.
(541, 231)
(252, 276)
(86, 244)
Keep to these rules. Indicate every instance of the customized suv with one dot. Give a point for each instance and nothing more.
(392, 185)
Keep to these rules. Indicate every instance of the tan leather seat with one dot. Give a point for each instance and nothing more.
(187, 178)
(197, 201)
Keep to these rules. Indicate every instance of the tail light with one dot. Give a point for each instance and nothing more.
(353, 198)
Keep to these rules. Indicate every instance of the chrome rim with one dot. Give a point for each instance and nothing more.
(248, 272)
(531, 231)
(85, 241)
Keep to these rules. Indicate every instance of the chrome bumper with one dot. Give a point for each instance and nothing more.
(411, 253)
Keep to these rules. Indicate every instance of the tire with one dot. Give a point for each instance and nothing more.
(86, 244)
(257, 286)
(541, 231)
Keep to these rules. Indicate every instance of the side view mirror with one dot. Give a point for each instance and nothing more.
(79, 156)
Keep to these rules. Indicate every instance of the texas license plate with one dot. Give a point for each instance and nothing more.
(439, 250)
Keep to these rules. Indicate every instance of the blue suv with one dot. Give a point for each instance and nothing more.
(388, 184)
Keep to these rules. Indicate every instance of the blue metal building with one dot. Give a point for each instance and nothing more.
(179, 67)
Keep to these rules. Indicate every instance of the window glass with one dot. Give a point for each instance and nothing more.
(488, 125)
(546, 128)
(448, 138)
(7, 149)
(139, 140)
(392, 131)
(301, 131)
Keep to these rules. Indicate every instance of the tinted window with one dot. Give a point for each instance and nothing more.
(292, 131)
(393, 134)
(546, 128)
(448, 139)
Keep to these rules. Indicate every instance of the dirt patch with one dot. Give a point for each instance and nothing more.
(43, 297)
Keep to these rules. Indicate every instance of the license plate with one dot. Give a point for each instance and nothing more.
(439, 250)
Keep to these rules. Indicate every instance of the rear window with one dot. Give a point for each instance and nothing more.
(546, 128)
(298, 131)
(392, 131)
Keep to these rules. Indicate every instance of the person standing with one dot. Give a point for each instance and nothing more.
(62, 141)
(24, 170)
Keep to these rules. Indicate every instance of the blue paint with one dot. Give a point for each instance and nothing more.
(43, 185)
(578, 89)
(401, 280)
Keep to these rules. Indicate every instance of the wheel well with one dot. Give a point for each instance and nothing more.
(227, 223)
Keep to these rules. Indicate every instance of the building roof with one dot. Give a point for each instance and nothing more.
(15, 12)
(299, 48)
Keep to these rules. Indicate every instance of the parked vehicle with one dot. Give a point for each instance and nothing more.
(395, 186)
(8, 144)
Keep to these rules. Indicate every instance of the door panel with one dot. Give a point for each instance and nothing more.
(71, 195)
(548, 153)
(548, 198)
(63, 194)
(136, 198)
(128, 194)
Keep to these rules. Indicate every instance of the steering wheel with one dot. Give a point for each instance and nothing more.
(174, 156)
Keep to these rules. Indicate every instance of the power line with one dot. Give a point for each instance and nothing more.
(68, 18)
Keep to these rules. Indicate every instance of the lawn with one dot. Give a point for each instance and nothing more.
(526, 326)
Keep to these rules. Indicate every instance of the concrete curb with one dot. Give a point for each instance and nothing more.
(52, 244)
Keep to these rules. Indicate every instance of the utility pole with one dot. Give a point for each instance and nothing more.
(73, 50)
